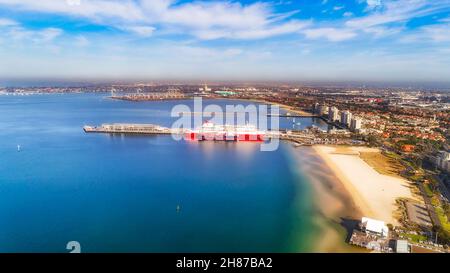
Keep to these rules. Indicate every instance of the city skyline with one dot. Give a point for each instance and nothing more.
(323, 40)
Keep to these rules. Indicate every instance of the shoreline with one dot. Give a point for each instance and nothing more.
(374, 194)
(358, 201)
(345, 188)
(333, 208)
(284, 106)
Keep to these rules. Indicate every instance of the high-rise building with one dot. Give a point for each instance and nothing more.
(346, 118)
(323, 110)
(333, 114)
(355, 124)
(315, 108)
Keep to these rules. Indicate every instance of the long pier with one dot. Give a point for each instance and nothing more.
(125, 128)
(128, 128)
(298, 137)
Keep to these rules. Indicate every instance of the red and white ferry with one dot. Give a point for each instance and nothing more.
(210, 131)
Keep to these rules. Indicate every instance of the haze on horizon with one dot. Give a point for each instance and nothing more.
(321, 40)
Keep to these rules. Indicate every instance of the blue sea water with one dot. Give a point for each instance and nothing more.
(115, 193)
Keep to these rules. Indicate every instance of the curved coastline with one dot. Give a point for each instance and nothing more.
(374, 194)
(333, 209)
(345, 188)
(286, 107)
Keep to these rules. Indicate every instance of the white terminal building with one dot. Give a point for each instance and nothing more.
(372, 226)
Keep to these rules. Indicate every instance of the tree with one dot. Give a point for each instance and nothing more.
(372, 140)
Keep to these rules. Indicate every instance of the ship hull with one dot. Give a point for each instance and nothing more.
(224, 137)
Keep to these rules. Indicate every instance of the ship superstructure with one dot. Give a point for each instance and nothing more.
(212, 132)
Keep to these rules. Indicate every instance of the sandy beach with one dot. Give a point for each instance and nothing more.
(373, 194)
(333, 204)
(289, 108)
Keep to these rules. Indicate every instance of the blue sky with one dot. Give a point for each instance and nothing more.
(301, 40)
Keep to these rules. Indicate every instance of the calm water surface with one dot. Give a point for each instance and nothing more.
(120, 193)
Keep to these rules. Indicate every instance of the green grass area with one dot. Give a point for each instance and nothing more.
(415, 177)
(435, 201)
(383, 164)
(413, 237)
(443, 218)
(428, 189)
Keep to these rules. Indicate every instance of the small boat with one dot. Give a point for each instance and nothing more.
(178, 208)
(18, 148)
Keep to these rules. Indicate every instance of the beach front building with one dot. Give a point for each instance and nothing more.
(323, 110)
(346, 118)
(372, 234)
(333, 114)
(402, 246)
(375, 227)
(355, 124)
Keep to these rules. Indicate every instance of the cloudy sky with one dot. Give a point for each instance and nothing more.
(362, 40)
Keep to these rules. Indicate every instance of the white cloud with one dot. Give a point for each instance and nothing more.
(202, 18)
(73, 2)
(201, 54)
(331, 34)
(389, 17)
(81, 41)
(398, 11)
(94, 9)
(373, 4)
(438, 33)
(143, 31)
(231, 52)
(14, 32)
(257, 33)
(19, 33)
(305, 51)
(434, 33)
(379, 32)
(49, 34)
(4, 22)
(348, 14)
